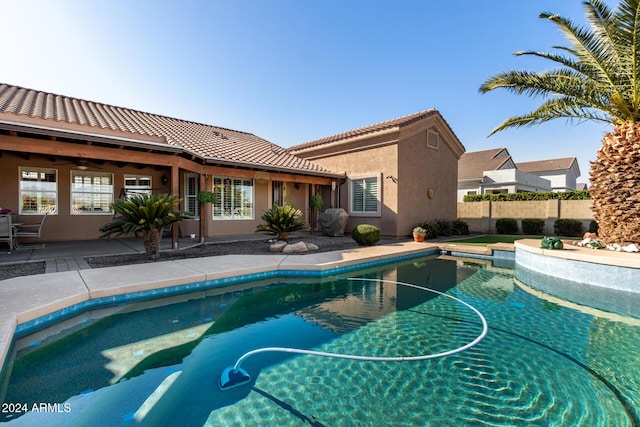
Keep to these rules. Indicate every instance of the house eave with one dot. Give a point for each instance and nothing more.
(112, 140)
(261, 166)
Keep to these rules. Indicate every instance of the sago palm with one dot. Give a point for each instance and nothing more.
(282, 220)
(144, 213)
(598, 78)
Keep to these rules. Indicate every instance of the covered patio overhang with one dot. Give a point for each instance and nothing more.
(66, 144)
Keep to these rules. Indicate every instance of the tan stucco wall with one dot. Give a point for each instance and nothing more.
(378, 161)
(423, 168)
(481, 216)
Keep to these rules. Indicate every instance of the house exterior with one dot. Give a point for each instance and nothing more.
(71, 158)
(400, 172)
(562, 173)
(494, 171)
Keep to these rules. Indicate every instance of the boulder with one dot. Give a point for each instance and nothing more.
(332, 222)
(312, 247)
(295, 248)
(278, 246)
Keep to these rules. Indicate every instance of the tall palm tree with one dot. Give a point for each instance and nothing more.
(598, 79)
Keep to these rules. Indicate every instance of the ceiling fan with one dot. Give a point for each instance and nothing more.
(81, 164)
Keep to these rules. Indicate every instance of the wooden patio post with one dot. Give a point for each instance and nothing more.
(175, 189)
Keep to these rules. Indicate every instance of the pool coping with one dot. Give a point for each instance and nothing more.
(30, 303)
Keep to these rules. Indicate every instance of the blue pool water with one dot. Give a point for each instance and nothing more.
(545, 361)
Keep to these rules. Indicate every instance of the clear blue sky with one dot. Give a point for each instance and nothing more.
(291, 71)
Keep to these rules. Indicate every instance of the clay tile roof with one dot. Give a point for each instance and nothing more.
(546, 165)
(387, 124)
(209, 142)
(473, 164)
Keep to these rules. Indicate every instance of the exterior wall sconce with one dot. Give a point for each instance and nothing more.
(164, 179)
(297, 185)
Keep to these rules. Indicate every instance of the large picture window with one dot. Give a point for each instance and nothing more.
(235, 198)
(91, 193)
(365, 198)
(38, 191)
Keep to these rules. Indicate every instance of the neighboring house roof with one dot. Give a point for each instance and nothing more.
(582, 186)
(386, 125)
(213, 144)
(472, 165)
(547, 165)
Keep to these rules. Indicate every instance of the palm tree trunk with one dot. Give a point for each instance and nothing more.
(615, 185)
(152, 244)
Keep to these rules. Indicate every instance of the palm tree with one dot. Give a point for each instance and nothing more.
(598, 79)
(144, 213)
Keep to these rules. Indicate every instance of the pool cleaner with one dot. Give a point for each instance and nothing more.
(235, 376)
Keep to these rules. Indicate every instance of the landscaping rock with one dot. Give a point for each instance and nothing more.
(312, 247)
(295, 248)
(278, 246)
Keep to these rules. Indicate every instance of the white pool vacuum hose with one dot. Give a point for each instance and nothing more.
(234, 376)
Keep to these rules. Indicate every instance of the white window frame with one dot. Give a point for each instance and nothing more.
(378, 202)
(93, 191)
(38, 189)
(138, 187)
(191, 197)
(231, 209)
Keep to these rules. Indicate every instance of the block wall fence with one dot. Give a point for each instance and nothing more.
(482, 216)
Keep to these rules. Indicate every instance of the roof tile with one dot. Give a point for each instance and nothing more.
(387, 124)
(210, 142)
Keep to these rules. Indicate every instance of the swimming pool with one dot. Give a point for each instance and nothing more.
(543, 362)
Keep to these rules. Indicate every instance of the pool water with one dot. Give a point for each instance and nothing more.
(544, 362)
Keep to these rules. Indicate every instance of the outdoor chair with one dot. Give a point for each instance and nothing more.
(30, 230)
(6, 231)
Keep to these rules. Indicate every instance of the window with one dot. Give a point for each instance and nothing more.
(137, 184)
(235, 198)
(38, 191)
(191, 190)
(471, 193)
(364, 196)
(91, 193)
(433, 139)
(277, 188)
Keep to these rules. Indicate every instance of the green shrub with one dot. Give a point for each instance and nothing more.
(506, 226)
(460, 227)
(430, 229)
(593, 226)
(529, 195)
(568, 227)
(533, 226)
(444, 227)
(365, 234)
(282, 220)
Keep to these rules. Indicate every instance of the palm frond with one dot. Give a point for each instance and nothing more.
(599, 78)
(143, 213)
(553, 109)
